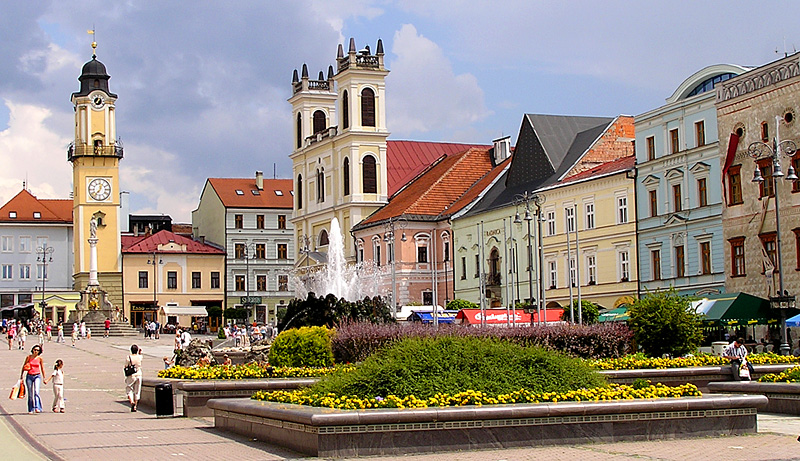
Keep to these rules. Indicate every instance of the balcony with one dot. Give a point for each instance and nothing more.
(74, 151)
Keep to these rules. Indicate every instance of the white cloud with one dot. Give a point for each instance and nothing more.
(424, 92)
(335, 12)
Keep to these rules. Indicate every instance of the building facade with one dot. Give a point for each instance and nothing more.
(251, 219)
(754, 109)
(679, 189)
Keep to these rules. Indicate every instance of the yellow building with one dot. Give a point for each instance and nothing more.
(166, 268)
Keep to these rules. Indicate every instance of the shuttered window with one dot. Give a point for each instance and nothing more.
(319, 121)
(345, 110)
(367, 107)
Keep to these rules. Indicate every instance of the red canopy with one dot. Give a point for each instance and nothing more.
(500, 316)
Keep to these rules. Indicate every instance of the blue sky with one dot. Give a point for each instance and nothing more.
(203, 85)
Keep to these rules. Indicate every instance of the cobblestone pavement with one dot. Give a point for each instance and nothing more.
(98, 423)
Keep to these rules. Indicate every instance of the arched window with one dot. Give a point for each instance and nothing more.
(299, 130)
(494, 267)
(369, 175)
(321, 185)
(323, 238)
(346, 176)
(345, 110)
(319, 121)
(299, 190)
(367, 107)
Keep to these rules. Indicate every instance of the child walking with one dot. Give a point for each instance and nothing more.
(58, 387)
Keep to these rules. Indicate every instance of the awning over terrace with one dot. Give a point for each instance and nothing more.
(619, 314)
(427, 317)
(736, 309)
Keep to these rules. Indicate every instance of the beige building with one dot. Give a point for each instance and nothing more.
(754, 108)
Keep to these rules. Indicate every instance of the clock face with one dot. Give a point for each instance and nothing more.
(97, 101)
(99, 189)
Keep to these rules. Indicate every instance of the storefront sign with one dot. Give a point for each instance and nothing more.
(143, 308)
(251, 300)
(492, 232)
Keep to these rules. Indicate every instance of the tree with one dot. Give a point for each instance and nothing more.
(589, 312)
(329, 311)
(458, 304)
(664, 322)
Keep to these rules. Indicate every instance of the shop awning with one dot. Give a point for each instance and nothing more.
(552, 315)
(427, 317)
(794, 321)
(494, 316)
(736, 309)
(18, 306)
(619, 314)
(194, 311)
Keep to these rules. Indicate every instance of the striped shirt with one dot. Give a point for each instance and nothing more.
(732, 351)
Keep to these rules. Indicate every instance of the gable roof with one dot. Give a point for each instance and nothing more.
(407, 159)
(226, 189)
(150, 244)
(443, 189)
(25, 204)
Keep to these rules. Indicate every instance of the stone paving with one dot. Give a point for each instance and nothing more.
(98, 423)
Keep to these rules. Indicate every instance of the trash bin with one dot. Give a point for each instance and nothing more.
(164, 403)
(717, 347)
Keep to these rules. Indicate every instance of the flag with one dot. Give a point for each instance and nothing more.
(733, 144)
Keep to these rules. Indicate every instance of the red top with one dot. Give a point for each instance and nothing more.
(107, 323)
(36, 366)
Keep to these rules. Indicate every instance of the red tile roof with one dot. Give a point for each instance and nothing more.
(150, 243)
(407, 159)
(25, 204)
(445, 188)
(267, 198)
(614, 166)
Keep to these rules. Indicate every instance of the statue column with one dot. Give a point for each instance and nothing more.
(93, 253)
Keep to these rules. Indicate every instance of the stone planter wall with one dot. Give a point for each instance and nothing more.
(783, 397)
(699, 376)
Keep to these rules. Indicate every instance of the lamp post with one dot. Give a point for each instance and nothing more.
(248, 254)
(758, 151)
(44, 255)
(527, 198)
(389, 228)
(155, 261)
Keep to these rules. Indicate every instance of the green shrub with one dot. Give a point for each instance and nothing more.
(424, 367)
(302, 347)
(458, 304)
(665, 323)
(589, 312)
(330, 311)
(221, 333)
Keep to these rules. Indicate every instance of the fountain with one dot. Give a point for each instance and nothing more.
(349, 281)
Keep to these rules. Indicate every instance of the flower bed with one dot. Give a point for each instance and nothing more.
(640, 361)
(344, 402)
(245, 371)
(791, 375)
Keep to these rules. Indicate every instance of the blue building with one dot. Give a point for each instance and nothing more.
(679, 189)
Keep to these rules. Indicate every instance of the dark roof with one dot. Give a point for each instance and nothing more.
(93, 71)
(557, 133)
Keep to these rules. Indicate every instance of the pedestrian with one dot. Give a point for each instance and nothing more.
(83, 330)
(60, 337)
(227, 360)
(157, 327)
(177, 344)
(737, 354)
(186, 338)
(22, 336)
(107, 327)
(32, 371)
(133, 383)
(74, 336)
(41, 336)
(49, 330)
(75, 328)
(58, 387)
(11, 334)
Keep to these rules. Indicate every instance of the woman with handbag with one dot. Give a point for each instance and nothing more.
(32, 371)
(133, 376)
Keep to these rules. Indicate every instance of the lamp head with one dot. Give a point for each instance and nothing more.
(757, 176)
(792, 175)
(517, 219)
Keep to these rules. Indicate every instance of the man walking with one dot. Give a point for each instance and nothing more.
(107, 327)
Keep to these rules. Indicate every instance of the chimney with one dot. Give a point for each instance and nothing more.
(260, 180)
(502, 149)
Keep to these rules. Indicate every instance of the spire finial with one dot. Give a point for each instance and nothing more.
(94, 43)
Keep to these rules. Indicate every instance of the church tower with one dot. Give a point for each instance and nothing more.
(95, 154)
(339, 164)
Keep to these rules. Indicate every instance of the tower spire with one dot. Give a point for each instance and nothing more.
(94, 43)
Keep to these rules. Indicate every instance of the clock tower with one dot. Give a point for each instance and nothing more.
(95, 156)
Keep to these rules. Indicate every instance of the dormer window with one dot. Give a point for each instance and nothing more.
(279, 193)
(37, 215)
(255, 192)
(12, 214)
(239, 192)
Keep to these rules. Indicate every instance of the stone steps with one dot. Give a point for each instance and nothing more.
(117, 329)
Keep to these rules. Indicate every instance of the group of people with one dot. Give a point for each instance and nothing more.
(152, 329)
(243, 334)
(32, 372)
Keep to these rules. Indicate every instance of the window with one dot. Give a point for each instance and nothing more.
(172, 280)
(680, 261)
(390, 252)
(369, 175)
(591, 269)
(376, 252)
(737, 257)
(360, 254)
(238, 251)
(550, 217)
(321, 185)
(261, 282)
(589, 210)
(796, 165)
(319, 121)
(346, 176)
(653, 196)
(446, 251)
(700, 133)
(25, 244)
(624, 266)
(6, 244)
(283, 252)
(427, 298)
(764, 132)
(477, 266)
(552, 267)
(24, 271)
(674, 146)
(572, 271)
(239, 282)
(367, 107)
(259, 221)
(655, 259)
(196, 283)
(767, 186)
(283, 283)
(769, 243)
(261, 251)
(345, 110)
(299, 189)
(8, 270)
(735, 185)
(238, 221)
(651, 147)
(239, 192)
(677, 199)
(422, 254)
(464, 266)
(622, 210)
(702, 192)
(323, 238)
(41, 272)
(705, 258)
(299, 130)
(569, 214)
(281, 221)
(143, 277)
(215, 280)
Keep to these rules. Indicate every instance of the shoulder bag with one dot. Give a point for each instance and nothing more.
(129, 368)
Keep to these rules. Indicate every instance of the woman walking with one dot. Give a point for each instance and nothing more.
(33, 367)
(133, 383)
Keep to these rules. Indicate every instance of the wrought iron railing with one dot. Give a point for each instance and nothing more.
(74, 151)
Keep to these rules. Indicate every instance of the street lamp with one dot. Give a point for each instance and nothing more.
(44, 255)
(527, 198)
(248, 254)
(155, 261)
(389, 228)
(761, 150)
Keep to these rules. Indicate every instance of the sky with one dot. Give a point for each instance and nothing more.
(203, 85)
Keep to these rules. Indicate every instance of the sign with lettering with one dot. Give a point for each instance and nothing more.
(250, 300)
(492, 232)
